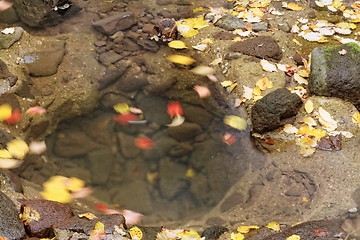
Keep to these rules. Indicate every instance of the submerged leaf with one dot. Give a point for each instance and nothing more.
(203, 70)
(202, 91)
(264, 83)
(246, 229)
(237, 236)
(144, 143)
(122, 108)
(9, 163)
(274, 226)
(293, 6)
(235, 122)
(15, 117)
(181, 59)
(17, 148)
(177, 44)
(177, 121)
(293, 237)
(5, 112)
(36, 110)
(174, 109)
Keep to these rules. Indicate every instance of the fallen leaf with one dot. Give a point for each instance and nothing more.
(87, 215)
(203, 70)
(309, 121)
(131, 217)
(309, 106)
(190, 172)
(319, 232)
(232, 87)
(5, 112)
(202, 91)
(264, 83)
(177, 44)
(98, 233)
(200, 46)
(125, 118)
(307, 130)
(237, 236)
(28, 215)
(10, 30)
(15, 117)
(267, 66)
(226, 83)
(248, 92)
(181, 59)
(228, 138)
(177, 121)
(235, 122)
(293, 6)
(269, 141)
(216, 61)
(36, 110)
(326, 120)
(188, 234)
(256, 91)
(9, 163)
(356, 118)
(17, 148)
(152, 177)
(246, 229)
(293, 237)
(37, 147)
(122, 108)
(290, 129)
(135, 233)
(342, 52)
(135, 110)
(299, 79)
(274, 226)
(304, 199)
(174, 109)
(144, 143)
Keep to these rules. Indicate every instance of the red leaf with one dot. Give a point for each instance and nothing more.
(174, 109)
(15, 117)
(229, 138)
(101, 207)
(144, 143)
(269, 141)
(319, 232)
(125, 118)
(36, 110)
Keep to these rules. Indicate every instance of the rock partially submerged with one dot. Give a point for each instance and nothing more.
(335, 72)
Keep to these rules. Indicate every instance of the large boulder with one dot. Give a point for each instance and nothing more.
(274, 110)
(336, 73)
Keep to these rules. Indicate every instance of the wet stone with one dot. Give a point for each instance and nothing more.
(86, 226)
(6, 40)
(162, 146)
(119, 22)
(184, 132)
(336, 75)
(109, 57)
(148, 45)
(274, 110)
(263, 47)
(50, 212)
(230, 23)
(100, 164)
(112, 75)
(10, 224)
(214, 232)
(127, 145)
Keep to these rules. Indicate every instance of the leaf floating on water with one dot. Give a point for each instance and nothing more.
(181, 59)
(177, 121)
(37, 147)
(177, 44)
(356, 118)
(174, 109)
(274, 226)
(9, 163)
(202, 91)
(235, 122)
(267, 66)
(125, 118)
(17, 148)
(144, 143)
(293, 237)
(131, 217)
(5, 112)
(122, 108)
(15, 117)
(36, 110)
(203, 70)
(309, 106)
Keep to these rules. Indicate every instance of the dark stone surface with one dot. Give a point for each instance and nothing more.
(273, 110)
(10, 224)
(261, 47)
(230, 23)
(113, 24)
(84, 225)
(336, 75)
(184, 132)
(13, 180)
(112, 75)
(50, 212)
(214, 232)
(40, 13)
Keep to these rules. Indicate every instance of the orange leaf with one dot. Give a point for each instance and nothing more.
(294, 6)
(144, 143)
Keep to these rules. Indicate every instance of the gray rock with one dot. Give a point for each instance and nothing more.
(73, 143)
(230, 23)
(40, 13)
(100, 165)
(184, 132)
(113, 24)
(162, 146)
(50, 212)
(109, 57)
(204, 151)
(160, 85)
(148, 45)
(197, 115)
(10, 224)
(9, 16)
(112, 75)
(154, 108)
(6, 40)
(134, 79)
(45, 63)
(172, 178)
(263, 47)
(274, 110)
(336, 75)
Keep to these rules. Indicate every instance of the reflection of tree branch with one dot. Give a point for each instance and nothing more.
(4, 5)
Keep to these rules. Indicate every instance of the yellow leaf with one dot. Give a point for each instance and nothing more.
(256, 98)
(307, 151)
(135, 233)
(256, 91)
(177, 44)
(192, 32)
(309, 106)
(264, 83)
(238, 39)
(99, 226)
(190, 172)
(88, 215)
(74, 184)
(308, 141)
(293, 6)
(5, 112)
(122, 108)
(306, 130)
(296, 41)
(201, 46)
(181, 59)
(246, 229)
(9, 163)
(98, 232)
(299, 79)
(190, 234)
(29, 215)
(203, 70)
(356, 118)
(345, 25)
(56, 190)
(226, 83)
(326, 120)
(5, 154)
(176, 121)
(304, 199)
(208, 41)
(290, 129)
(231, 88)
(273, 225)
(235, 122)
(151, 177)
(309, 121)
(293, 237)
(237, 236)
(17, 148)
